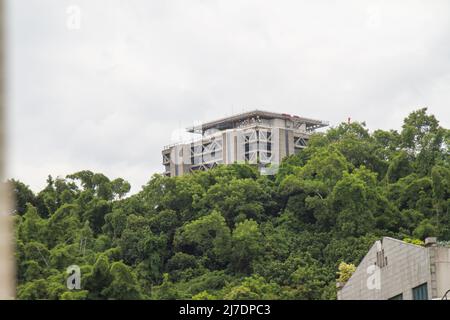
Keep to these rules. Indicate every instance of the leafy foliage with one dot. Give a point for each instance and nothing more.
(230, 233)
(345, 271)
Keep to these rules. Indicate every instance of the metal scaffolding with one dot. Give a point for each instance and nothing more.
(256, 137)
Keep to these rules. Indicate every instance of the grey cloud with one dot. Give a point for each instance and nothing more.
(109, 96)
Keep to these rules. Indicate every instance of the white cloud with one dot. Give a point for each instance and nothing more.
(109, 96)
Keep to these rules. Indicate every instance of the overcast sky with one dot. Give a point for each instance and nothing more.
(108, 96)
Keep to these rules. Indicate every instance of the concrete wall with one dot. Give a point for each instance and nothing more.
(408, 266)
(442, 263)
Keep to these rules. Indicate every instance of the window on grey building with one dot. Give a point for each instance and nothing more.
(397, 297)
(420, 292)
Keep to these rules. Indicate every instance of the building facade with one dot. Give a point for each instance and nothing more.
(256, 137)
(396, 270)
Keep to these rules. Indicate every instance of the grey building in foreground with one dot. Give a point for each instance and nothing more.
(256, 137)
(394, 269)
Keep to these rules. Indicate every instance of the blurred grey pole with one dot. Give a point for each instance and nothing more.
(7, 273)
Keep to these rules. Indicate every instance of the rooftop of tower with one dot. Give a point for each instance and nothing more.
(232, 121)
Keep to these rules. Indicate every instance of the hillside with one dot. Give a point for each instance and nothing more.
(231, 233)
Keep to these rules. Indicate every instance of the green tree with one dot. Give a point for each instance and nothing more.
(423, 138)
(197, 236)
(22, 196)
(124, 285)
(208, 236)
(32, 227)
(352, 198)
(246, 245)
(99, 278)
(254, 288)
(167, 290)
(346, 270)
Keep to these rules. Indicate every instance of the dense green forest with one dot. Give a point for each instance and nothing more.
(231, 233)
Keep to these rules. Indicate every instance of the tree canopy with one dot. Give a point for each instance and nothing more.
(231, 233)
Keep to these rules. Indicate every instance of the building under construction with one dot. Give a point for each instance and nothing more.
(256, 137)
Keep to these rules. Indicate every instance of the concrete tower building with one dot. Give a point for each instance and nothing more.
(255, 137)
